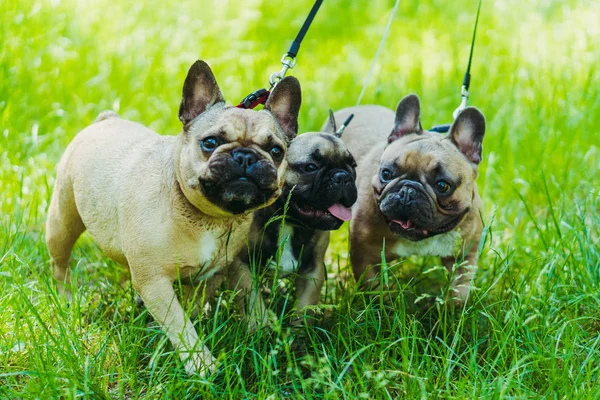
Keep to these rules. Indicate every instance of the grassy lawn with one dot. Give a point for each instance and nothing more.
(530, 330)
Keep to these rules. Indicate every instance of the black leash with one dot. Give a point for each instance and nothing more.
(288, 60)
(293, 51)
(464, 91)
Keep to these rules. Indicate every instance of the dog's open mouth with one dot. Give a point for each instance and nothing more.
(408, 225)
(336, 211)
(409, 228)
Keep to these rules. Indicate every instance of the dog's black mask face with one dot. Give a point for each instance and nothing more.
(426, 182)
(245, 180)
(321, 178)
(412, 211)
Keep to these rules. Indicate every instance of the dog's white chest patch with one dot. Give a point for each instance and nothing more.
(207, 248)
(288, 263)
(440, 245)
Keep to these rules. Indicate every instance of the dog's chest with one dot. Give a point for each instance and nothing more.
(205, 255)
(207, 248)
(440, 245)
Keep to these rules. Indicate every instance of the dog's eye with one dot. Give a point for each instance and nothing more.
(209, 144)
(442, 186)
(385, 175)
(277, 153)
(311, 168)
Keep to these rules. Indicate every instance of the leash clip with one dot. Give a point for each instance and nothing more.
(288, 62)
(339, 132)
(444, 128)
(464, 93)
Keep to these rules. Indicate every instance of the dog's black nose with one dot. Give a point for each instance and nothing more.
(342, 178)
(407, 194)
(244, 157)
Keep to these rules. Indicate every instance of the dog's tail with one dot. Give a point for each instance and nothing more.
(106, 115)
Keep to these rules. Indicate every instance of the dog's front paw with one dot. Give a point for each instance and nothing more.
(460, 294)
(255, 321)
(308, 315)
(300, 321)
(64, 292)
(202, 363)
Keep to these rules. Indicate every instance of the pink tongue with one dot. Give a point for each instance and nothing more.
(404, 225)
(340, 212)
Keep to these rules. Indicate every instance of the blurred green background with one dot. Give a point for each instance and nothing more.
(535, 77)
(535, 74)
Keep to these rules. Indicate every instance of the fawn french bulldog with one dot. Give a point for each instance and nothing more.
(173, 207)
(416, 189)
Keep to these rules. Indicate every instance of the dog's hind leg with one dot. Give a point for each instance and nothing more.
(63, 227)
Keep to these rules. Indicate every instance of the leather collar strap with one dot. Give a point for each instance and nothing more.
(254, 99)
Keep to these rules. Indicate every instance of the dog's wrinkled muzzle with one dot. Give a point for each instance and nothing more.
(244, 164)
(411, 212)
(325, 203)
(240, 181)
(408, 209)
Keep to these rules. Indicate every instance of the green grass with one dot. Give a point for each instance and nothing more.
(531, 330)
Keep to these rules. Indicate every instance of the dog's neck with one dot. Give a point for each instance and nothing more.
(174, 174)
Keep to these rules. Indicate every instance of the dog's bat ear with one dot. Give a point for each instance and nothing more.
(467, 133)
(330, 127)
(284, 103)
(200, 91)
(408, 118)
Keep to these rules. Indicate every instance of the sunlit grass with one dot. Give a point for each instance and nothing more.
(530, 330)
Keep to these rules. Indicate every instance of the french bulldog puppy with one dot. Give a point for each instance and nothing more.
(173, 207)
(319, 191)
(416, 190)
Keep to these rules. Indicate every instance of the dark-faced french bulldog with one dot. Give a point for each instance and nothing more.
(318, 193)
(417, 189)
(173, 207)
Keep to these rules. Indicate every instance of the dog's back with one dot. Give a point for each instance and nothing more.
(91, 176)
(370, 128)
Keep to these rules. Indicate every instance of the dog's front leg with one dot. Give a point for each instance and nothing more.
(308, 290)
(366, 264)
(250, 301)
(159, 297)
(462, 274)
